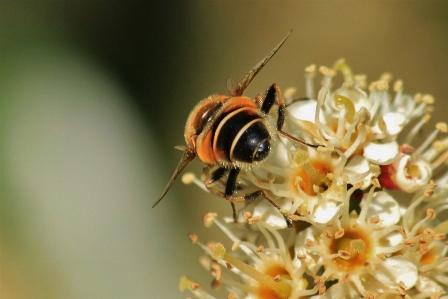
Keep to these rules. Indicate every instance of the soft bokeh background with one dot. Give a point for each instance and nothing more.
(94, 95)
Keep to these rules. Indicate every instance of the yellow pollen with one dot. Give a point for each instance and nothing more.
(301, 157)
(358, 245)
(413, 170)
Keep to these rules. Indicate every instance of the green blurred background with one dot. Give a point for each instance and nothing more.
(94, 95)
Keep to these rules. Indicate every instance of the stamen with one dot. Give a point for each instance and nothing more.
(366, 205)
(190, 177)
(440, 160)
(328, 76)
(417, 128)
(341, 122)
(440, 127)
(245, 246)
(282, 289)
(310, 72)
(398, 88)
(186, 283)
(360, 81)
(378, 95)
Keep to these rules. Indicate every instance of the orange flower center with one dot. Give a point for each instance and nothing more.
(358, 246)
(274, 271)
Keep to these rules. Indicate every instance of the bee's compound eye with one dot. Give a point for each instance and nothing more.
(262, 150)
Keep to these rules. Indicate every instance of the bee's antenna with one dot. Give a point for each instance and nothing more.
(187, 157)
(239, 87)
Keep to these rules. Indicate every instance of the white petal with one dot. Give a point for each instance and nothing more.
(381, 154)
(394, 122)
(304, 110)
(396, 269)
(385, 207)
(355, 167)
(326, 211)
(426, 284)
(268, 213)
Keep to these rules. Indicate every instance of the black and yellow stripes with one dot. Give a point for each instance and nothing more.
(238, 134)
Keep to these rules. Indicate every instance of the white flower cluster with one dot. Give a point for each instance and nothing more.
(370, 207)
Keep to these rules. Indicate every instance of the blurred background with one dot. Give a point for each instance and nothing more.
(95, 94)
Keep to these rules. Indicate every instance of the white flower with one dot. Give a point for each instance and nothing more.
(369, 207)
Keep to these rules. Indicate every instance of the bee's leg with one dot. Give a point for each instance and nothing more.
(272, 94)
(230, 189)
(230, 185)
(216, 175)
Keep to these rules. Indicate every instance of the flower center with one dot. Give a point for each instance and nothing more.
(355, 248)
(430, 257)
(276, 271)
(311, 176)
(412, 170)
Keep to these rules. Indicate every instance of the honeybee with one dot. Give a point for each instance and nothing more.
(230, 132)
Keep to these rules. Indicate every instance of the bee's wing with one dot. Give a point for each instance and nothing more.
(187, 157)
(238, 88)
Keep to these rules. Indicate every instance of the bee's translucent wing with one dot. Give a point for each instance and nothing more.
(238, 88)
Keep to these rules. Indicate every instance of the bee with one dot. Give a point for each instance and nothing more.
(230, 133)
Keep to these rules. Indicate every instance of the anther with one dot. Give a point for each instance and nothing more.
(423, 249)
(344, 254)
(322, 289)
(375, 182)
(231, 295)
(409, 243)
(328, 234)
(193, 238)
(301, 257)
(209, 218)
(429, 189)
(402, 288)
(428, 99)
(386, 77)
(309, 242)
(442, 127)
(310, 69)
(339, 234)
(439, 237)
(381, 256)
(430, 213)
(374, 219)
(429, 232)
(398, 85)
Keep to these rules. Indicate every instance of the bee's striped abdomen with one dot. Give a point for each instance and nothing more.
(238, 135)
